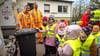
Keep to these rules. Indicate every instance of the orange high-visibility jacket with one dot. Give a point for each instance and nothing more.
(37, 17)
(25, 20)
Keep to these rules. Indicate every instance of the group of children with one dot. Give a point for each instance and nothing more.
(69, 40)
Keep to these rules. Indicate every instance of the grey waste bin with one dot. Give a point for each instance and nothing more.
(26, 40)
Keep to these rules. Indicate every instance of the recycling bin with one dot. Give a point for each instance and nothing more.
(26, 40)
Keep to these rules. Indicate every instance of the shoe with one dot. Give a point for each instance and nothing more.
(40, 42)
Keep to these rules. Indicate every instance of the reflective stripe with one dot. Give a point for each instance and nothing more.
(44, 34)
(96, 17)
(86, 55)
(51, 35)
(19, 18)
(75, 45)
(37, 17)
(61, 41)
(98, 45)
(34, 16)
(23, 20)
(28, 24)
(40, 17)
(51, 31)
(85, 50)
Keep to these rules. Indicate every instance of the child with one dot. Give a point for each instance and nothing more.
(96, 34)
(58, 22)
(43, 27)
(60, 36)
(71, 46)
(88, 46)
(91, 23)
(51, 30)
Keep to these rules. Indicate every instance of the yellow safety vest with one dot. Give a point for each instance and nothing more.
(85, 47)
(96, 15)
(96, 38)
(37, 16)
(58, 25)
(61, 41)
(43, 34)
(50, 32)
(25, 20)
(75, 45)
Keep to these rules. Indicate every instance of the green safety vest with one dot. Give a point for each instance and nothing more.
(61, 41)
(96, 15)
(96, 38)
(85, 47)
(43, 34)
(50, 32)
(75, 45)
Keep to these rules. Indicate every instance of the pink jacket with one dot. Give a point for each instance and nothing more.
(50, 41)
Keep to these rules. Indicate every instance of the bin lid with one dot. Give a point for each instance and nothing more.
(25, 32)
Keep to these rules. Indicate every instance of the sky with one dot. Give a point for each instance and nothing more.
(69, 0)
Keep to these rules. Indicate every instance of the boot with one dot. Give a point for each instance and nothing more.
(54, 55)
(46, 55)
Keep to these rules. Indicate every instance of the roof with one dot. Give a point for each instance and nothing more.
(64, 1)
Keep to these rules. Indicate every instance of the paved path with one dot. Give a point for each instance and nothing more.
(40, 49)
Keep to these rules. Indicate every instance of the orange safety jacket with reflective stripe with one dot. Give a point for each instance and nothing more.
(25, 20)
(37, 18)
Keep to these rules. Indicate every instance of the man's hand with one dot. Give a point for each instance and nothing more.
(37, 29)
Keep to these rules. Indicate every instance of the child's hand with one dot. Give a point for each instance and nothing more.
(60, 45)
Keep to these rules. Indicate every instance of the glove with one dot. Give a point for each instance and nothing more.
(90, 16)
(80, 23)
(37, 29)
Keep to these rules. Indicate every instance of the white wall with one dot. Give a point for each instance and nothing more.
(7, 6)
(53, 7)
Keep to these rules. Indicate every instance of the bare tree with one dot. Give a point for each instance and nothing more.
(79, 8)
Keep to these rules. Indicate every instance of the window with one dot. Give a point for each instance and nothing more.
(46, 8)
(62, 9)
(31, 5)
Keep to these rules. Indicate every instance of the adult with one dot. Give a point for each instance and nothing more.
(85, 18)
(25, 18)
(95, 15)
(37, 19)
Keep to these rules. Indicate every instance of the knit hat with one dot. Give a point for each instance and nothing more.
(45, 18)
(80, 23)
(52, 16)
(62, 25)
(87, 30)
(93, 8)
(65, 22)
(72, 31)
(58, 21)
(92, 22)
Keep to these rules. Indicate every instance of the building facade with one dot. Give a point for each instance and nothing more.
(61, 9)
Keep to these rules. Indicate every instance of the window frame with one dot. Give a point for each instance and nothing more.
(44, 8)
(63, 9)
